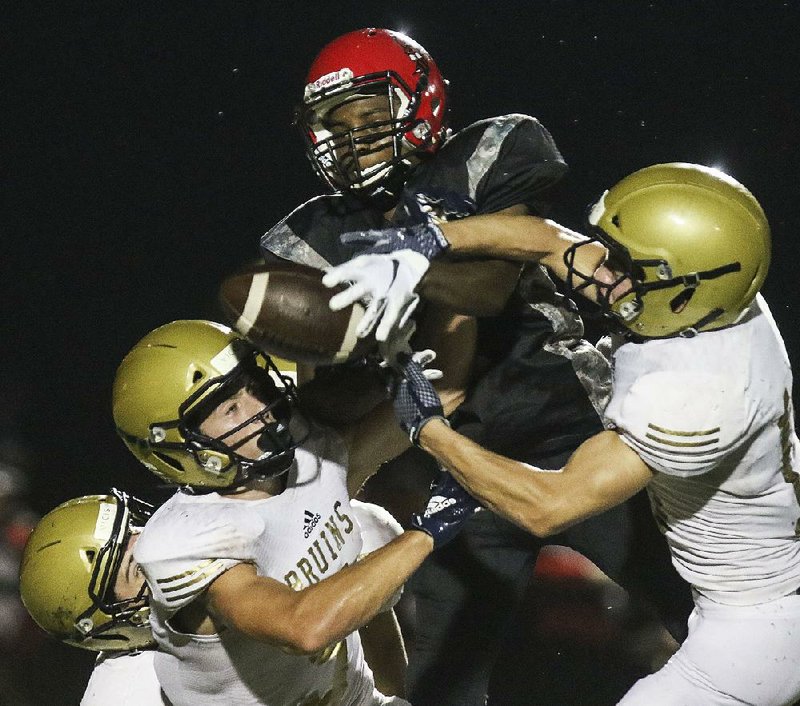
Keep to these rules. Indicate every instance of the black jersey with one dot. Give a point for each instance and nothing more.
(494, 163)
(526, 396)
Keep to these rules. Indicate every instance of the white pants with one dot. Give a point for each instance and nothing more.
(733, 655)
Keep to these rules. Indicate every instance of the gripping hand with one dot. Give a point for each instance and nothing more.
(385, 283)
(386, 273)
(415, 400)
(425, 238)
(449, 507)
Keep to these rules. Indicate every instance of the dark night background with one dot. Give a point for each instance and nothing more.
(148, 145)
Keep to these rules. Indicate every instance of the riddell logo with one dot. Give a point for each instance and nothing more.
(310, 520)
(328, 80)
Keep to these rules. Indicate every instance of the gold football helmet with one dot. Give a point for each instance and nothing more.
(68, 569)
(173, 378)
(693, 243)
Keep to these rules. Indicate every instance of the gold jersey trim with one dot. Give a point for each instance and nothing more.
(674, 432)
(202, 565)
(682, 444)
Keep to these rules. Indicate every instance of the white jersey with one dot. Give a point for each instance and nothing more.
(301, 536)
(124, 679)
(712, 416)
(378, 528)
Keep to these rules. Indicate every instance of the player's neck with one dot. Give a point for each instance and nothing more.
(258, 488)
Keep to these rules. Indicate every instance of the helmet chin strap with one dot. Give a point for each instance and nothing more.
(268, 439)
(690, 283)
(694, 329)
(691, 280)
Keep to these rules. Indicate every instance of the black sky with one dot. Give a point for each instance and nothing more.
(150, 144)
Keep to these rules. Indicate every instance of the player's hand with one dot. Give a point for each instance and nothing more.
(396, 351)
(397, 347)
(449, 507)
(425, 238)
(386, 284)
(415, 400)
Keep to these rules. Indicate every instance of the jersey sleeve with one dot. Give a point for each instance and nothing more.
(520, 163)
(680, 424)
(183, 550)
(309, 235)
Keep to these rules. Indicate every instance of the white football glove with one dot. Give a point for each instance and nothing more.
(386, 283)
(397, 350)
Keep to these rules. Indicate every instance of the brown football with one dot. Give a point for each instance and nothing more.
(282, 308)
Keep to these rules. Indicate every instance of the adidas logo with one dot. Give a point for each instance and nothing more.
(310, 520)
(438, 503)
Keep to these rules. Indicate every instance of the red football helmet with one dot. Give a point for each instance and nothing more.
(369, 155)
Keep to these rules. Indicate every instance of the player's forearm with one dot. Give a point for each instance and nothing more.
(521, 237)
(503, 485)
(474, 287)
(541, 501)
(385, 653)
(372, 441)
(602, 473)
(454, 338)
(335, 607)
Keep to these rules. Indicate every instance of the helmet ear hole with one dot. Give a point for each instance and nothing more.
(164, 458)
(680, 300)
(89, 556)
(197, 377)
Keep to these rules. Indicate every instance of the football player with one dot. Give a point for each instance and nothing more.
(700, 415)
(256, 592)
(80, 584)
(374, 119)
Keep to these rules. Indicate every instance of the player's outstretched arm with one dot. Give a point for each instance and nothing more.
(477, 286)
(390, 272)
(603, 472)
(393, 263)
(306, 621)
(522, 238)
(472, 287)
(385, 653)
